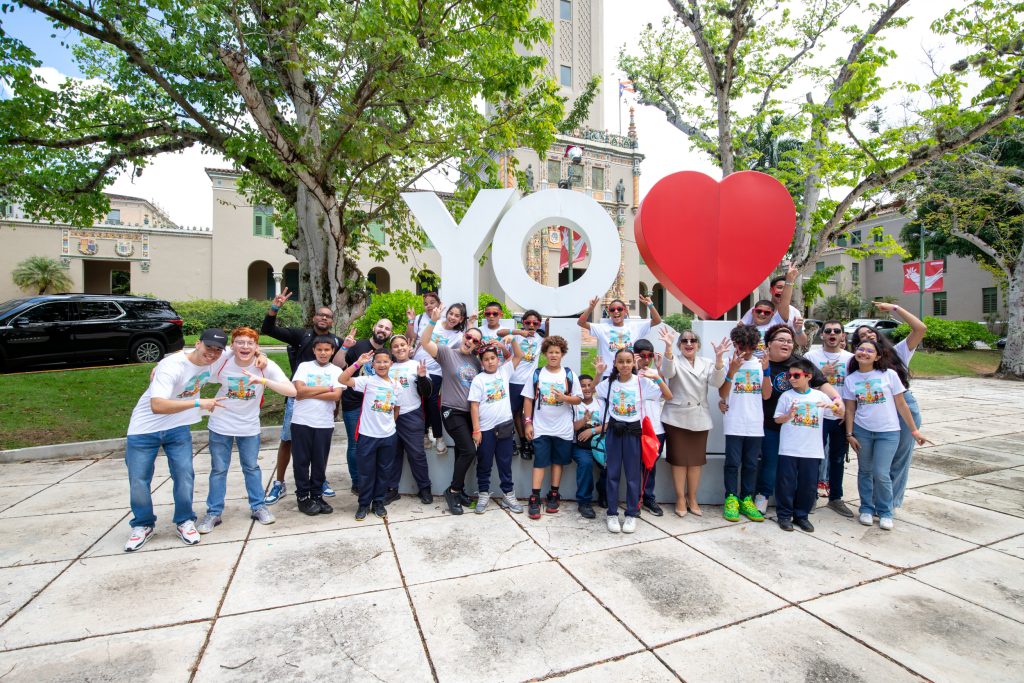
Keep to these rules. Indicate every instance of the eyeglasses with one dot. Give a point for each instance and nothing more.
(646, 355)
(866, 349)
(492, 314)
(797, 374)
(688, 341)
(763, 311)
(836, 330)
(474, 341)
(531, 323)
(782, 340)
(616, 309)
(324, 315)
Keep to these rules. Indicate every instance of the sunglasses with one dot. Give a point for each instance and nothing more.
(616, 309)
(474, 341)
(797, 374)
(492, 314)
(688, 341)
(836, 330)
(646, 355)
(531, 323)
(763, 311)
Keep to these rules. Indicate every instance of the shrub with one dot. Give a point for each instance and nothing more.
(678, 321)
(392, 306)
(948, 335)
(199, 314)
(484, 299)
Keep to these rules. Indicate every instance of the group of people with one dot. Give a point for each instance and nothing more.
(487, 389)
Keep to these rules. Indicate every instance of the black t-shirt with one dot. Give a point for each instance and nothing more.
(299, 341)
(350, 398)
(780, 385)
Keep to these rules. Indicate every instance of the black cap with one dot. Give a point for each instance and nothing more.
(214, 338)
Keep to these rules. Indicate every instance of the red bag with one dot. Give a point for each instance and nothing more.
(649, 443)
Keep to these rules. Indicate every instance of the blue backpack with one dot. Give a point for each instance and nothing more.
(536, 386)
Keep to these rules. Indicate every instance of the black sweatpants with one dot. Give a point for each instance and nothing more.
(460, 427)
(310, 448)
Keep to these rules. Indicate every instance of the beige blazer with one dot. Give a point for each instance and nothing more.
(690, 406)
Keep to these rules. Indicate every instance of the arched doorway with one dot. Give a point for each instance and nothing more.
(381, 279)
(290, 279)
(261, 280)
(642, 307)
(658, 297)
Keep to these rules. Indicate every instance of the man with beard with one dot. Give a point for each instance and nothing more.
(352, 400)
(300, 350)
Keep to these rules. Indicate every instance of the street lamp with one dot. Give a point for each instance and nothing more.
(574, 153)
(920, 276)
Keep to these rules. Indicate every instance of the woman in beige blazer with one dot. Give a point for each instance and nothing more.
(687, 417)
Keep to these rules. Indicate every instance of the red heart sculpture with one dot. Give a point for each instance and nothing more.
(711, 243)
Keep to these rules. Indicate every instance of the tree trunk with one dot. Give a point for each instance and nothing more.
(1012, 364)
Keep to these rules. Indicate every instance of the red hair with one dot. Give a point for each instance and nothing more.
(245, 332)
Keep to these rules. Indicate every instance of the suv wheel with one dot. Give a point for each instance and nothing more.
(146, 351)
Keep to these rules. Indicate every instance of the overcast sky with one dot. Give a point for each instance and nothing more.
(178, 184)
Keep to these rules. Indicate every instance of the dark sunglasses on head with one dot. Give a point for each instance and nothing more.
(616, 309)
(797, 374)
(763, 311)
(492, 314)
(834, 330)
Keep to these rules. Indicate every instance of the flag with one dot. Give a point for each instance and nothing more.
(933, 277)
(579, 248)
(626, 86)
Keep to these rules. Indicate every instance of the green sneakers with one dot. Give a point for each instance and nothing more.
(732, 508)
(750, 511)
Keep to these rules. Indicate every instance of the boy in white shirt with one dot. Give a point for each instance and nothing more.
(317, 393)
(800, 411)
(645, 358)
(588, 422)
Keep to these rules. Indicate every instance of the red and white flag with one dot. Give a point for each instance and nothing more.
(933, 277)
(579, 248)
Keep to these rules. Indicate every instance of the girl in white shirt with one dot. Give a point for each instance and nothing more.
(873, 394)
(416, 388)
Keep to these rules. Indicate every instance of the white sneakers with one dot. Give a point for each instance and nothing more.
(885, 523)
(613, 524)
(628, 525)
(187, 533)
(761, 503)
(865, 519)
(441, 446)
(140, 534)
(482, 499)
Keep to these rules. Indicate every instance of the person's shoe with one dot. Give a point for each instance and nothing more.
(526, 451)
(841, 508)
(452, 499)
(325, 509)
(551, 502)
(761, 503)
(354, 490)
(428, 442)
(361, 512)
(482, 499)
(804, 524)
(613, 524)
(309, 506)
(263, 515)
(277, 489)
(140, 534)
(653, 508)
(442, 447)
(327, 491)
(464, 498)
(391, 496)
(731, 511)
(426, 497)
(866, 519)
(885, 523)
(509, 502)
(628, 525)
(786, 524)
(823, 489)
(534, 507)
(379, 509)
(586, 510)
(187, 533)
(749, 510)
(207, 523)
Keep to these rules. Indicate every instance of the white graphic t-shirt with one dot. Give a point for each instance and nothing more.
(838, 362)
(531, 353)
(873, 391)
(762, 348)
(379, 399)
(491, 393)
(776, 319)
(550, 416)
(439, 336)
(595, 419)
(239, 415)
(612, 339)
(404, 374)
(315, 412)
(174, 377)
(625, 397)
(745, 416)
(801, 436)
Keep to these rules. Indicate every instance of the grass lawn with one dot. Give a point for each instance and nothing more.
(954, 363)
(61, 406)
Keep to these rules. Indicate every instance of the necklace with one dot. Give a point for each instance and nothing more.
(831, 359)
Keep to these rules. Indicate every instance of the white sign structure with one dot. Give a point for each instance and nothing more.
(511, 220)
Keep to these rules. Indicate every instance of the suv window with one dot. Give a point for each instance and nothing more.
(98, 310)
(53, 312)
(150, 309)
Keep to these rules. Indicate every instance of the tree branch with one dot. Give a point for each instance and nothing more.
(672, 115)
(984, 248)
(113, 138)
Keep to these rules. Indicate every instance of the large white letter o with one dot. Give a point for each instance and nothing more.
(556, 207)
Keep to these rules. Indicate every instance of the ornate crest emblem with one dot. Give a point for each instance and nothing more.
(124, 248)
(88, 247)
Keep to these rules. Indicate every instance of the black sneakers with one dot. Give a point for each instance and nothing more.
(804, 524)
(426, 497)
(526, 450)
(391, 496)
(534, 507)
(379, 509)
(361, 512)
(325, 509)
(586, 510)
(551, 502)
(653, 508)
(453, 501)
(309, 505)
(786, 524)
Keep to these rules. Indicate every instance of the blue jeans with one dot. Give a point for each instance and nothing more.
(351, 420)
(584, 459)
(741, 463)
(874, 463)
(833, 435)
(220, 461)
(140, 456)
(769, 464)
(286, 422)
(904, 452)
(492, 448)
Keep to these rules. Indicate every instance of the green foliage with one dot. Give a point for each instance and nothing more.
(393, 306)
(199, 314)
(679, 322)
(842, 306)
(485, 298)
(36, 274)
(948, 335)
(811, 287)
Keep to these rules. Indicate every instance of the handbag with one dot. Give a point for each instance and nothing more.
(649, 443)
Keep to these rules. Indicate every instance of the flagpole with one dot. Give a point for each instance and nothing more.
(920, 294)
(620, 109)
(572, 254)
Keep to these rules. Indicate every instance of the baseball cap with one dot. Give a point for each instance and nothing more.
(214, 338)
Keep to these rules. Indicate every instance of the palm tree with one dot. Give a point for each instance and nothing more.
(41, 273)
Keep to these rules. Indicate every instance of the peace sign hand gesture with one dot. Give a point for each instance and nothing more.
(421, 370)
(350, 339)
(282, 297)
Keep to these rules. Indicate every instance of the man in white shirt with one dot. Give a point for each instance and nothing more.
(782, 292)
(162, 418)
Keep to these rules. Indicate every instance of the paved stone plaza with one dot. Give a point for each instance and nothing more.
(498, 597)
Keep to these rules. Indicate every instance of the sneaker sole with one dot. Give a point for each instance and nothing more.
(144, 540)
(201, 532)
(730, 519)
(534, 515)
(551, 511)
(263, 523)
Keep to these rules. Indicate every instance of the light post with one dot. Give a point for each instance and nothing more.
(920, 277)
(575, 176)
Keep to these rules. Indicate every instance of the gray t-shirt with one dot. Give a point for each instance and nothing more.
(458, 371)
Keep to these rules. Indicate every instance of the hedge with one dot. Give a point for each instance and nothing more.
(199, 314)
(948, 335)
(393, 305)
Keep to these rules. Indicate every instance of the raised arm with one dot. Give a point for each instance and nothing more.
(347, 378)
(655, 316)
(584, 319)
(517, 353)
(284, 388)
(410, 327)
(766, 379)
(792, 273)
(917, 328)
(426, 341)
(668, 363)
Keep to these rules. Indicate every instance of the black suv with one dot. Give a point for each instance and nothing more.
(63, 328)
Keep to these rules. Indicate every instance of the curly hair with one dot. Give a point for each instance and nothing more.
(744, 337)
(554, 340)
